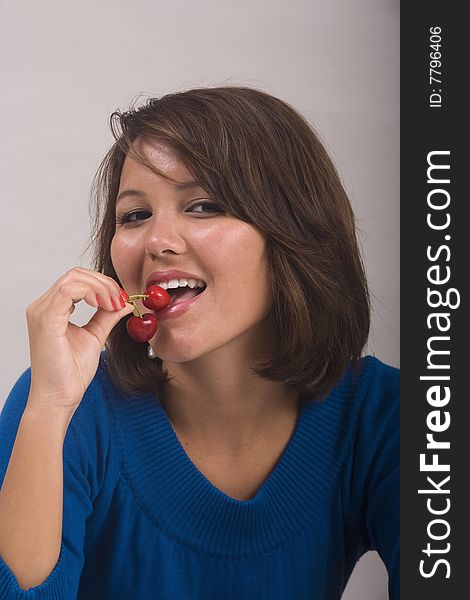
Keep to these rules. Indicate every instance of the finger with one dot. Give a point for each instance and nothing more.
(43, 302)
(109, 282)
(110, 299)
(102, 322)
(106, 290)
(71, 293)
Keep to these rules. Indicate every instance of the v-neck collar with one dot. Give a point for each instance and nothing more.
(181, 501)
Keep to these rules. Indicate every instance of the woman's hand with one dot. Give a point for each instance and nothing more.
(65, 357)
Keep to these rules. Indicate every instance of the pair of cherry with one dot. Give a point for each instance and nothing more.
(143, 327)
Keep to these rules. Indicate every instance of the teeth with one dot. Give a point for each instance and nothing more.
(174, 283)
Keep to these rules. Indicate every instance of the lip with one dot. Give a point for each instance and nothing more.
(178, 309)
(159, 276)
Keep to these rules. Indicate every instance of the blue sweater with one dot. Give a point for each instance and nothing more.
(141, 522)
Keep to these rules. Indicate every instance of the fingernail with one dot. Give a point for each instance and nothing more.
(123, 304)
(114, 304)
(124, 294)
(98, 300)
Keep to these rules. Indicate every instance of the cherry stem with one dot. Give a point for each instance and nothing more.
(132, 299)
(135, 307)
(136, 296)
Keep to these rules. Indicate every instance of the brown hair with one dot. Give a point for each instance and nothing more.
(264, 164)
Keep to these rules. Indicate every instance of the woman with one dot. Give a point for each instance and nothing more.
(247, 451)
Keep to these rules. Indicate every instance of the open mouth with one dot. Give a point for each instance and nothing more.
(182, 294)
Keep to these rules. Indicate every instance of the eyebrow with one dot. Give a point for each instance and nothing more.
(180, 187)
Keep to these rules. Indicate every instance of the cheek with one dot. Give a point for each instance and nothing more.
(246, 293)
(123, 257)
(115, 252)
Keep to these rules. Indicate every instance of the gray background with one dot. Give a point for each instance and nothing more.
(64, 66)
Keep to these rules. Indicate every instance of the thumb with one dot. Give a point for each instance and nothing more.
(103, 321)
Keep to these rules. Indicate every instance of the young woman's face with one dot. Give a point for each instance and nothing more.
(171, 228)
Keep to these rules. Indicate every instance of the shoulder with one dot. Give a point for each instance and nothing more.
(359, 423)
(368, 390)
(374, 449)
(371, 394)
(372, 471)
(370, 375)
(382, 375)
(351, 426)
(376, 385)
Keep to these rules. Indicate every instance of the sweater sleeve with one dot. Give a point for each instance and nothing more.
(380, 439)
(81, 478)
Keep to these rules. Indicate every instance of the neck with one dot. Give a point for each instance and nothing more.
(228, 412)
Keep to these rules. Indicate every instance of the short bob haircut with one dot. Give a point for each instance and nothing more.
(264, 164)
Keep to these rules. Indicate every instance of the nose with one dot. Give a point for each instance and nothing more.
(163, 237)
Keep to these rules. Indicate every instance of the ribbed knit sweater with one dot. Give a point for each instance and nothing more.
(141, 522)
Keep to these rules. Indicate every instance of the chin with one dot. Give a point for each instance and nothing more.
(177, 352)
(177, 357)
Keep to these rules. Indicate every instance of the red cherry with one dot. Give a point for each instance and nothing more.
(158, 298)
(141, 329)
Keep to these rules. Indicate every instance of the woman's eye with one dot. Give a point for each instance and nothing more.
(141, 215)
(132, 217)
(208, 207)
